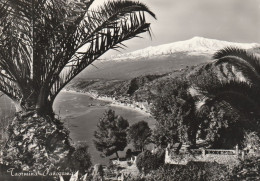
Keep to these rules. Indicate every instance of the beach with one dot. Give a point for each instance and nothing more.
(112, 101)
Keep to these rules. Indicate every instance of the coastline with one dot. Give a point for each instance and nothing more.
(113, 102)
(80, 113)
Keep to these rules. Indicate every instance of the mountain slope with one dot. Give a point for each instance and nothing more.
(159, 60)
(194, 46)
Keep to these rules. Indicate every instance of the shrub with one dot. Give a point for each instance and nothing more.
(249, 169)
(139, 134)
(191, 172)
(146, 161)
(252, 141)
(81, 159)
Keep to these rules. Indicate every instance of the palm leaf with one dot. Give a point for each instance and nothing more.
(246, 62)
(45, 43)
(239, 95)
(100, 32)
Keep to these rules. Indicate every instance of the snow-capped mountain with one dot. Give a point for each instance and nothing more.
(194, 46)
(162, 59)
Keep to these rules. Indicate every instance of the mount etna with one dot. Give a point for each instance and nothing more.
(160, 59)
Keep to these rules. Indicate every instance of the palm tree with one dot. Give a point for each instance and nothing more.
(232, 95)
(44, 44)
(241, 87)
(243, 60)
(236, 94)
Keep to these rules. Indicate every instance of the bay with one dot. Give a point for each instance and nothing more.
(80, 113)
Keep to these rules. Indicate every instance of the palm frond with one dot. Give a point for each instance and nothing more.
(102, 30)
(239, 95)
(244, 61)
(31, 30)
(45, 43)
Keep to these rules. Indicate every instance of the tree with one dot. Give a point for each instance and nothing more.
(241, 90)
(174, 111)
(221, 128)
(139, 134)
(82, 159)
(219, 99)
(147, 161)
(111, 134)
(231, 103)
(44, 44)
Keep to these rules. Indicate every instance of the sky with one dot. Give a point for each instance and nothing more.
(177, 20)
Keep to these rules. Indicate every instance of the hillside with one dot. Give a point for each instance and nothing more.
(143, 88)
(139, 78)
(112, 87)
(126, 70)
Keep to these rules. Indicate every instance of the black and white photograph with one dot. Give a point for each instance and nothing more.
(129, 90)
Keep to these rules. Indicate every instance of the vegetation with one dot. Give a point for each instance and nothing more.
(218, 106)
(244, 85)
(97, 173)
(216, 102)
(174, 111)
(44, 45)
(34, 132)
(249, 169)
(139, 134)
(147, 161)
(252, 141)
(191, 171)
(221, 128)
(213, 102)
(138, 82)
(112, 87)
(230, 103)
(3, 130)
(81, 158)
(111, 134)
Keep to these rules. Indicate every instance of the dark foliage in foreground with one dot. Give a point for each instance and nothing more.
(249, 169)
(81, 159)
(193, 171)
(43, 141)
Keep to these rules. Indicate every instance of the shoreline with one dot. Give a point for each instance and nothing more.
(113, 102)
